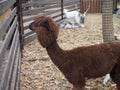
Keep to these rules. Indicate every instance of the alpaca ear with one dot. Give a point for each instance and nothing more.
(47, 26)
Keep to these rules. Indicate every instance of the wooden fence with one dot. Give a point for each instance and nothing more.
(52, 8)
(95, 6)
(10, 44)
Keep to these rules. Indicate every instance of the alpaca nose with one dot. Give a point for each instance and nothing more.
(82, 20)
(31, 25)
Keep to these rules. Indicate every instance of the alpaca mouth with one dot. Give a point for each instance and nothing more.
(30, 26)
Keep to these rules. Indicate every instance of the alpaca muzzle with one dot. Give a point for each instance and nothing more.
(31, 26)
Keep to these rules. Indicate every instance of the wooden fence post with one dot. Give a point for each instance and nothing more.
(61, 9)
(20, 22)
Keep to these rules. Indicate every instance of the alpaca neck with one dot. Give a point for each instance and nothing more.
(56, 54)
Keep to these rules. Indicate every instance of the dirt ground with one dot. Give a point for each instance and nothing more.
(39, 73)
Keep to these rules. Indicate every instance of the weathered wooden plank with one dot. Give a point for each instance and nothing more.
(26, 27)
(70, 3)
(28, 19)
(57, 13)
(0, 43)
(71, 0)
(1, 70)
(12, 62)
(4, 85)
(40, 10)
(18, 73)
(4, 26)
(5, 4)
(53, 11)
(30, 38)
(7, 40)
(2, 67)
(28, 32)
(69, 6)
(32, 12)
(39, 3)
(15, 71)
(57, 19)
(4, 15)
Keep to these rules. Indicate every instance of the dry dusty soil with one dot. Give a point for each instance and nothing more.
(39, 73)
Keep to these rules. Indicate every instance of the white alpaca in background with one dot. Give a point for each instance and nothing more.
(71, 14)
(74, 17)
(66, 24)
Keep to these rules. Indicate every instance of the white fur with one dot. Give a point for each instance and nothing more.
(73, 16)
(67, 23)
(106, 79)
(68, 26)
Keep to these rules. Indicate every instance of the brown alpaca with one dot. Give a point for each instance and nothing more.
(82, 62)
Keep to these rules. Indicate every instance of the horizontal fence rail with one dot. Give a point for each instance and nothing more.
(10, 50)
(5, 4)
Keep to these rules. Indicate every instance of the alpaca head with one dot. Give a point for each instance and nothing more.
(46, 30)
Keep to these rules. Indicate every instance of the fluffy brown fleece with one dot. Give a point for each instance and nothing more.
(82, 62)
